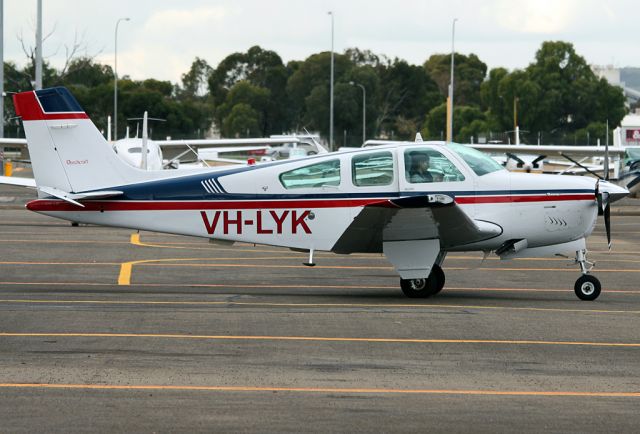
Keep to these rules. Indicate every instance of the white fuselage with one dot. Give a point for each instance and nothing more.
(253, 204)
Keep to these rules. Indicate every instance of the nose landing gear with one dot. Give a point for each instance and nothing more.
(587, 287)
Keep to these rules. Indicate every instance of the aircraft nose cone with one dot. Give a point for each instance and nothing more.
(615, 191)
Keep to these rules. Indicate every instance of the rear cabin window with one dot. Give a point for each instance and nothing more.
(372, 169)
(317, 175)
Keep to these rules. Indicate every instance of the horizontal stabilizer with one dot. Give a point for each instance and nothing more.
(74, 197)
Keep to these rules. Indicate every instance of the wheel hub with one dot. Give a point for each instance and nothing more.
(588, 288)
(418, 284)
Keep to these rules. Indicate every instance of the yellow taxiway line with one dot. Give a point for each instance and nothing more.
(360, 390)
(321, 305)
(319, 339)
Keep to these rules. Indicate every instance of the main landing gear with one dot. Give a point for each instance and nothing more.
(423, 288)
(587, 287)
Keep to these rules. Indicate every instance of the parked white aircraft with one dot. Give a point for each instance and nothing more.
(365, 200)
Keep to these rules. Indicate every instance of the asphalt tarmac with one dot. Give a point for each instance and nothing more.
(108, 330)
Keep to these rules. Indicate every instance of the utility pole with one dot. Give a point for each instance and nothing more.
(1, 70)
(331, 91)
(39, 47)
(115, 82)
(450, 99)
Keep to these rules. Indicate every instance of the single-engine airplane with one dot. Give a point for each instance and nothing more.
(364, 200)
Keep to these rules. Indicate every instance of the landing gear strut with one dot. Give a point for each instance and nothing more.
(423, 288)
(587, 287)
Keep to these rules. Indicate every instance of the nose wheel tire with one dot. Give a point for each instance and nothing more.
(587, 287)
(423, 288)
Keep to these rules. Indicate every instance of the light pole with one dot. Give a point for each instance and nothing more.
(450, 111)
(331, 90)
(364, 111)
(38, 84)
(115, 82)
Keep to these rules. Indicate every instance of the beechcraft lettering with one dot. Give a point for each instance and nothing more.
(271, 222)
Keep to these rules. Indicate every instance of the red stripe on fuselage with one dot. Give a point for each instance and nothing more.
(523, 198)
(58, 205)
(151, 205)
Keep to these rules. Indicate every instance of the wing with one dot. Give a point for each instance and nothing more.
(410, 219)
(578, 151)
(22, 182)
(13, 142)
(211, 143)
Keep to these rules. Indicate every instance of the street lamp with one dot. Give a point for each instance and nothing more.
(450, 111)
(115, 82)
(331, 90)
(364, 111)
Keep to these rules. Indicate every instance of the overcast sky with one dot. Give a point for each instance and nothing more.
(164, 36)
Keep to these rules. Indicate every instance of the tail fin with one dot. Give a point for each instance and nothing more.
(67, 151)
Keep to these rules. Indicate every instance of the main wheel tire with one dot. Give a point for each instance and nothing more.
(423, 288)
(418, 288)
(438, 275)
(587, 287)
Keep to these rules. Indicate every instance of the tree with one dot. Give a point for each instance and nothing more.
(407, 93)
(242, 121)
(469, 73)
(306, 81)
(195, 81)
(571, 95)
(467, 121)
(261, 68)
(256, 97)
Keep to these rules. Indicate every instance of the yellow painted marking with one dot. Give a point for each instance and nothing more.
(56, 263)
(318, 339)
(124, 278)
(306, 285)
(39, 241)
(320, 305)
(556, 393)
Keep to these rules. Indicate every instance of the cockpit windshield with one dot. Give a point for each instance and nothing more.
(480, 163)
(632, 157)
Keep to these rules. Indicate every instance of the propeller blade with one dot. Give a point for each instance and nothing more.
(516, 159)
(607, 223)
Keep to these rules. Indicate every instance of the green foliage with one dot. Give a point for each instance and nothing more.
(557, 95)
(245, 93)
(261, 68)
(242, 121)
(469, 73)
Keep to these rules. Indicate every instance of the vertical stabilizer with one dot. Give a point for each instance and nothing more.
(67, 151)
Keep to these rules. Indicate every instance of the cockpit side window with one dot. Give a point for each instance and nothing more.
(316, 175)
(632, 158)
(428, 165)
(374, 169)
